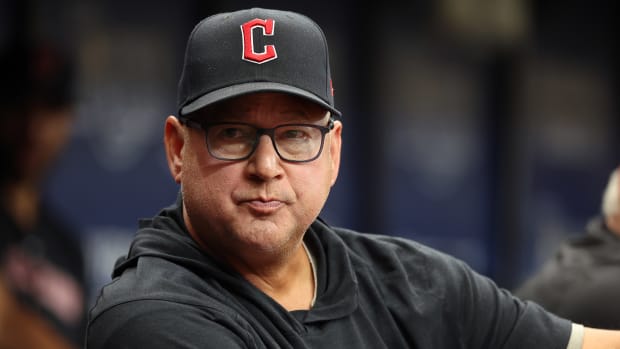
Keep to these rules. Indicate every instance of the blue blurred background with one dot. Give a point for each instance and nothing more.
(484, 128)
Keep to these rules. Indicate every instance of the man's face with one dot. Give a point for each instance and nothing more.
(262, 204)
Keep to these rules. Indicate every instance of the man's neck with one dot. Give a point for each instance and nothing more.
(292, 284)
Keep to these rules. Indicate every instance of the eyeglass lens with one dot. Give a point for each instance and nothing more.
(237, 141)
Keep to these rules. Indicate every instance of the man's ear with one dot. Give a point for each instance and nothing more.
(335, 148)
(174, 141)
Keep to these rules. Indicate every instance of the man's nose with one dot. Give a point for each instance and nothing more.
(265, 162)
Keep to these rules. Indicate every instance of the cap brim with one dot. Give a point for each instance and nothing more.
(251, 87)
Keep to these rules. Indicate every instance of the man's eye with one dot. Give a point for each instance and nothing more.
(232, 132)
(294, 134)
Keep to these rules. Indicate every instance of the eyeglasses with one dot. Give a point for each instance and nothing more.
(235, 141)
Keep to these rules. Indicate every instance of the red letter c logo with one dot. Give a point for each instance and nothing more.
(249, 51)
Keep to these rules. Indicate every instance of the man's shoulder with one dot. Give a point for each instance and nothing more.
(138, 322)
(156, 280)
(396, 246)
(386, 254)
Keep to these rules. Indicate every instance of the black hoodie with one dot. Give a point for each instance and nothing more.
(374, 291)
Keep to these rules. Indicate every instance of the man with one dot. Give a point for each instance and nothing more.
(42, 283)
(581, 281)
(241, 259)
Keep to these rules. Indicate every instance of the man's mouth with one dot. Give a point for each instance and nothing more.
(263, 206)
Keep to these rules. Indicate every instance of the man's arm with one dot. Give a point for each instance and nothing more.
(600, 339)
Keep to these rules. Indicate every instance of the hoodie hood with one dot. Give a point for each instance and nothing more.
(165, 236)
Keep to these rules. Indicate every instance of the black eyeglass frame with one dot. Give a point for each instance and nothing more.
(204, 126)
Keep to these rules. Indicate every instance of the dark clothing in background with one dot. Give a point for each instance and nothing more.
(373, 292)
(582, 280)
(44, 269)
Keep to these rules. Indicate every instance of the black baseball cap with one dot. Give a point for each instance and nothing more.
(255, 50)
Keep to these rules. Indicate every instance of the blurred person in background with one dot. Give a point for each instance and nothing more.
(581, 282)
(42, 282)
